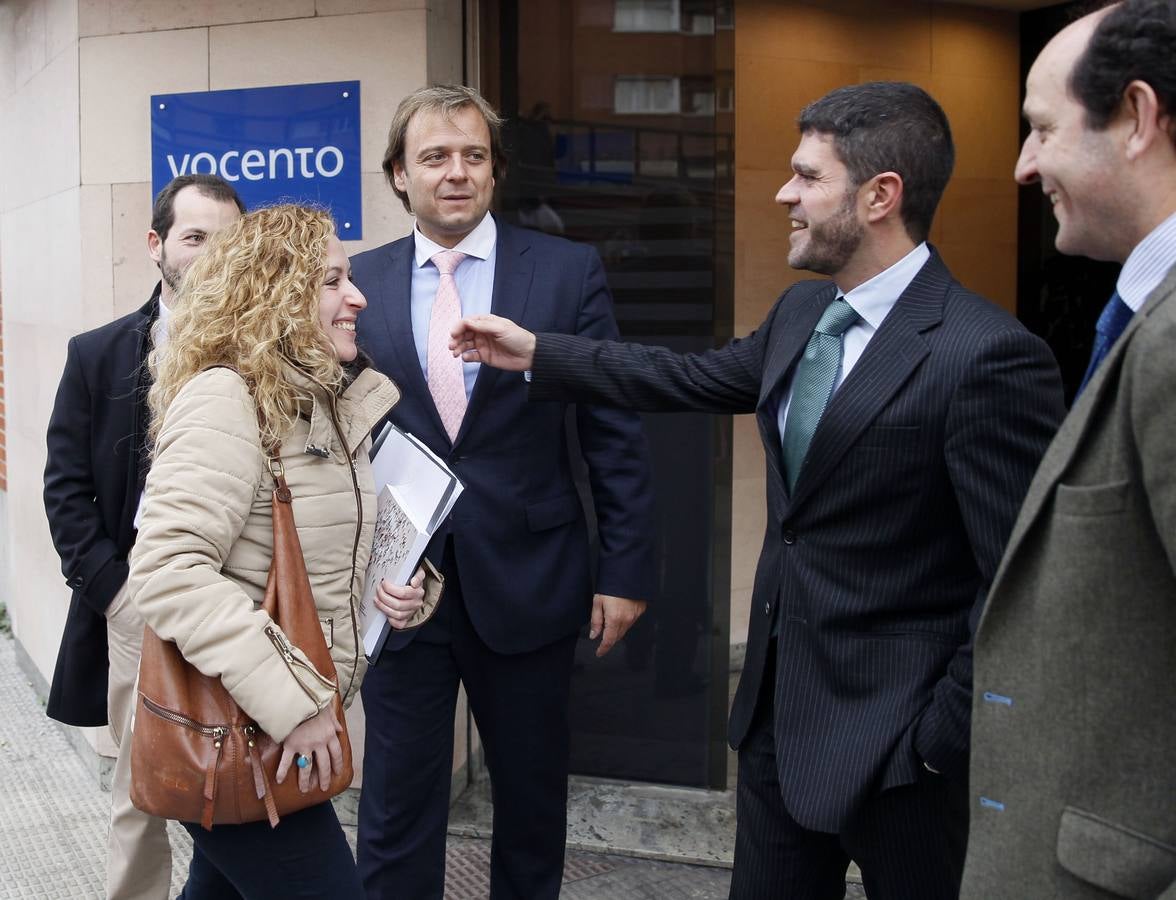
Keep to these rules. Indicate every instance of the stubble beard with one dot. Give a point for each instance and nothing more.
(832, 243)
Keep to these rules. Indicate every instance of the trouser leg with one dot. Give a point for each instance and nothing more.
(306, 856)
(520, 705)
(138, 859)
(409, 699)
(910, 840)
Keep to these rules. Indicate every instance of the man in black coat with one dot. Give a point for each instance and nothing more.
(902, 418)
(93, 484)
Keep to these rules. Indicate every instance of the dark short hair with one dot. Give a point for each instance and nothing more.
(446, 99)
(1135, 41)
(889, 126)
(163, 211)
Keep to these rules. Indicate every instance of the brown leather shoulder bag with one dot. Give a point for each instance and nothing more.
(195, 755)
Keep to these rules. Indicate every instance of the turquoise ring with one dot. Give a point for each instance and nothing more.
(301, 761)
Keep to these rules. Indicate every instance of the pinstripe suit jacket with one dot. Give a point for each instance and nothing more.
(878, 561)
(1075, 733)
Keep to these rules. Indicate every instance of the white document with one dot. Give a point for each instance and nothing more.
(416, 492)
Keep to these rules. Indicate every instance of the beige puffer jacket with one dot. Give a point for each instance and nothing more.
(199, 565)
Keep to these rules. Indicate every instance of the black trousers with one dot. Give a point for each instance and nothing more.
(909, 841)
(519, 703)
(306, 856)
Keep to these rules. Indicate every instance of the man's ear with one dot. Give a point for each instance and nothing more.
(882, 196)
(1146, 122)
(154, 246)
(398, 177)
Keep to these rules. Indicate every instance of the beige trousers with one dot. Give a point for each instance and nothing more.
(138, 858)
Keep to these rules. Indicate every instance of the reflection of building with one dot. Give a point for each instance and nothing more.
(627, 132)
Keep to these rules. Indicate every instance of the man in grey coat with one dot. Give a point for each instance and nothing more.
(1073, 778)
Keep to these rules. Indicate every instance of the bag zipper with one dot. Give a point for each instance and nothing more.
(212, 731)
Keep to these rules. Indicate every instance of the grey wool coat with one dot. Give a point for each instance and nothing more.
(1073, 770)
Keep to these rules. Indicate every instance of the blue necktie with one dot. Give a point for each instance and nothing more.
(816, 374)
(1115, 316)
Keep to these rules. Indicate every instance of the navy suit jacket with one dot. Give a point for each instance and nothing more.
(519, 531)
(878, 563)
(93, 476)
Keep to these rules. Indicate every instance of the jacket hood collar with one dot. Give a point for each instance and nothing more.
(364, 402)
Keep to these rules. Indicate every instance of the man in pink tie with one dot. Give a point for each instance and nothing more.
(515, 551)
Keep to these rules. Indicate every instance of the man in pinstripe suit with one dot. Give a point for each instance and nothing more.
(891, 489)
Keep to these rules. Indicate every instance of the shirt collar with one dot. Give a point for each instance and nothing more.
(873, 299)
(479, 242)
(1148, 263)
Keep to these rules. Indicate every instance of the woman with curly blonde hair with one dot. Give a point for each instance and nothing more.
(261, 360)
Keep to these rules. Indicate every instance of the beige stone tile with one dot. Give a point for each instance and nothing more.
(382, 50)
(979, 208)
(920, 77)
(119, 74)
(101, 17)
(97, 282)
(851, 32)
(970, 41)
(740, 614)
(22, 42)
(446, 42)
(747, 447)
(61, 27)
(347, 7)
(748, 519)
(987, 267)
(384, 218)
(41, 268)
(134, 272)
(39, 139)
(762, 226)
(770, 93)
(985, 122)
(34, 354)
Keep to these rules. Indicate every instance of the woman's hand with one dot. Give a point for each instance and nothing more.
(399, 603)
(318, 740)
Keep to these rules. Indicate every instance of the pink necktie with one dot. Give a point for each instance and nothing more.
(446, 379)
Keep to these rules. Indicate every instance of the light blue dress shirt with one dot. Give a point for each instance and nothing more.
(872, 300)
(475, 286)
(1148, 263)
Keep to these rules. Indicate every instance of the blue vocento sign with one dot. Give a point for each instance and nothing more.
(291, 143)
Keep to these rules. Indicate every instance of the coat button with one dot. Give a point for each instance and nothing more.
(789, 537)
(768, 608)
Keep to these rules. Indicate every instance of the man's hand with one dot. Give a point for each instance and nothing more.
(614, 616)
(493, 341)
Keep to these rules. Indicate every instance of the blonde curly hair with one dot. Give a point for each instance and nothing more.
(251, 301)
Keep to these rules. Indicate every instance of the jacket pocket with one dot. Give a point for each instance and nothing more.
(545, 514)
(1092, 500)
(1115, 858)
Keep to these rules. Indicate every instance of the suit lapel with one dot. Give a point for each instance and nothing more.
(513, 271)
(395, 299)
(891, 356)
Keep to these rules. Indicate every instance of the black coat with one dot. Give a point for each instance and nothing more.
(93, 476)
(878, 562)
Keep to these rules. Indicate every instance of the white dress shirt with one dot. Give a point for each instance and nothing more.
(1148, 263)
